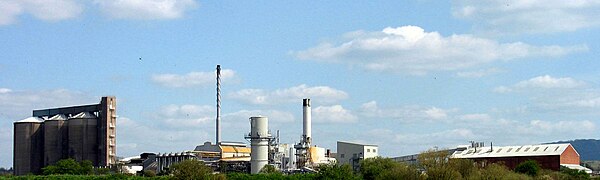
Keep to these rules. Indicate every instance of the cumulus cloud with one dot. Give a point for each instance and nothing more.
(531, 16)
(333, 114)
(49, 10)
(185, 116)
(411, 50)
(191, 79)
(16, 104)
(405, 114)
(542, 82)
(324, 94)
(146, 9)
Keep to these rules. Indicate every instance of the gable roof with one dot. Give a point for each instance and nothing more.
(512, 151)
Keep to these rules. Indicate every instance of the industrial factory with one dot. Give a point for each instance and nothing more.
(265, 149)
(80, 132)
(88, 132)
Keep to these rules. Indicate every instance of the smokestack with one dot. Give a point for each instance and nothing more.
(306, 120)
(218, 127)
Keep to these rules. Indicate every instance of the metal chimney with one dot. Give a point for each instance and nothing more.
(218, 127)
(306, 120)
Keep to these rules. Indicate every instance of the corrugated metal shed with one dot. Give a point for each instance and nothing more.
(512, 151)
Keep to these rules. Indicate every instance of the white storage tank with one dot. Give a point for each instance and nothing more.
(259, 141)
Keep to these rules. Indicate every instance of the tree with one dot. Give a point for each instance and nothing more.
(69, 166)
(370, 168)
(335, 171)
(190, 169)
(401, 171)
(529, 167)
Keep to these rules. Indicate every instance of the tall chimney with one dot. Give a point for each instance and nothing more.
(218, 127)
(306, 120)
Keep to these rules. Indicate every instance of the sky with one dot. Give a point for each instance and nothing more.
(405, 75)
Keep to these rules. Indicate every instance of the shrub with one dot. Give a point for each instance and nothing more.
(190, 169)
(69, 166)
(529, 167)
(370, 168)
(335, 171)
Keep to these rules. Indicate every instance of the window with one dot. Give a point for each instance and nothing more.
(342, 155)
(526, 149)
(536, 148)
(374, 150)
(499, 150)
(509, 149)
(546, 148)
(368, 150)
(518, 149)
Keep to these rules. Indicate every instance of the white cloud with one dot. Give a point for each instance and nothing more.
(185, 116)
(191, 79)
(274, 116)
(405, 114)
(323, 94)
(529, 16)
(48, 10)
(16, 104)
(411, 50)
(542, 82)
(146, 9)
(478, 73)
(333, 114)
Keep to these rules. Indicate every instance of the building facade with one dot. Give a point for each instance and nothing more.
(85, 132)
(351, 153)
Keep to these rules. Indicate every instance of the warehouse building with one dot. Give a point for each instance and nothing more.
(85, 132)
(549, 156)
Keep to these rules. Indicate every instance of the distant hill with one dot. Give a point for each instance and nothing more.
(588, 149)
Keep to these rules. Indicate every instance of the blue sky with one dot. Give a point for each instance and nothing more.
(406, 75)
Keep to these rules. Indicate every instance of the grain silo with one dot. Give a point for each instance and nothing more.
(28, 146)
(55, 139)
(83, 133)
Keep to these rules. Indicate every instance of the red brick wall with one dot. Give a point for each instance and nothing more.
(569, 156)
(546, 162)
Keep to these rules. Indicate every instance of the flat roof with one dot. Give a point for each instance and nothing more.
(354, 143)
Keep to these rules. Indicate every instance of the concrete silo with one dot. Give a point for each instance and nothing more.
(259, 141)
(28, 146)
(55, 139)
(83, 133)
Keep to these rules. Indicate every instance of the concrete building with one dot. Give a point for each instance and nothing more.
(85, 132)
(549, 156)
(351, 153)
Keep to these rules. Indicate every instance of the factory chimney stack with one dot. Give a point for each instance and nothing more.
(306, 120)
(218, 126)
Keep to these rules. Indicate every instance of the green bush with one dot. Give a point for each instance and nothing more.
(69, 166)
(401, 171)
(191, 169)
(335, 171)
(269, 169)
(529, 167)
(371, 168)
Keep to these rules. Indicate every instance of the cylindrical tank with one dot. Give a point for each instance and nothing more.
(306, 119)
(83, 133)
(259, 137)
(28, 146)
(54, 139)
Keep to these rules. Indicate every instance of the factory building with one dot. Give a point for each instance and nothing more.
(85, 132)
(549, 156)
(351, 153)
